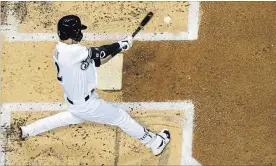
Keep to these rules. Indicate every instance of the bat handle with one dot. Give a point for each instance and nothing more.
(136, 31)
(133, 35)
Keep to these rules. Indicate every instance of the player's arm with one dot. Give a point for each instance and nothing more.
(104, 53)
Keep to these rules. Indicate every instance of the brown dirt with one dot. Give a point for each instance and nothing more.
(230, 75)
(4, 9)
(124, 17)
(91, 143)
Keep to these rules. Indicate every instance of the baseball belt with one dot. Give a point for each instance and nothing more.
(86, 98)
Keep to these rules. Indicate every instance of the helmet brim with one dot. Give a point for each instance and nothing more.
(83, 27)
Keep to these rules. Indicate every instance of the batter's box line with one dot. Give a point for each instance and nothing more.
(186, 106)
(12, 33)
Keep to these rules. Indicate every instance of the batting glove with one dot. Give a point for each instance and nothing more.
(126, 43)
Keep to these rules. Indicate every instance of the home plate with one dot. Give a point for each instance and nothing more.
(110, 74)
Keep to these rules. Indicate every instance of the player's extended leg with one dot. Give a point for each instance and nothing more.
(49, 123)
(109, 114)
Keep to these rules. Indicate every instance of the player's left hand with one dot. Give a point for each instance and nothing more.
(126, 43)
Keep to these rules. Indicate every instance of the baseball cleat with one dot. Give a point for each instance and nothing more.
(160, 142)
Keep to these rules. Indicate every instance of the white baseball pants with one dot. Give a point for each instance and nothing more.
(103, 113)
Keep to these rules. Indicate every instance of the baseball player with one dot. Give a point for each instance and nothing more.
(76, 72)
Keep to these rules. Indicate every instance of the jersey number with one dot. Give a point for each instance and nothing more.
(59, 78)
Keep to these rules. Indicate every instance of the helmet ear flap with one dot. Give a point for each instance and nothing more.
(77, 35)
(62, 35)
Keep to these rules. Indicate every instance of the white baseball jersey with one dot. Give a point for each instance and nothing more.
(75, 71)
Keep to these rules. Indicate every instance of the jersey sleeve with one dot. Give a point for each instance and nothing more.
(95, 54)
(98, 53)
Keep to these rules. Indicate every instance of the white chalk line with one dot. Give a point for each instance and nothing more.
(186, 106)
(36, 37)
(12, 33)
(193, 20)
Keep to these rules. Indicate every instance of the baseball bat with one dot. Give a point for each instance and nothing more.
(140, 27)
(143, 23)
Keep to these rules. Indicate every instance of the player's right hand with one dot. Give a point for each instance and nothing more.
(126, 43)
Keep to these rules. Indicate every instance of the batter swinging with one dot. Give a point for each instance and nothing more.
(76, 72)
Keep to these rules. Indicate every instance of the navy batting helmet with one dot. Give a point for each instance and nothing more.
(70, 27)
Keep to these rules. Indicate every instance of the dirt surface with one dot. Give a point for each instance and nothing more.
(102, 17)
(93, 144)
(40, 83)
(230, 75)
(3, 13)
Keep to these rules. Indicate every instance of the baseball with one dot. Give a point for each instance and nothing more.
(167, 19)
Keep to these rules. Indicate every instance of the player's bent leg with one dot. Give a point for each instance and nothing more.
(49, 123)
(157, 142)
(109, 114)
